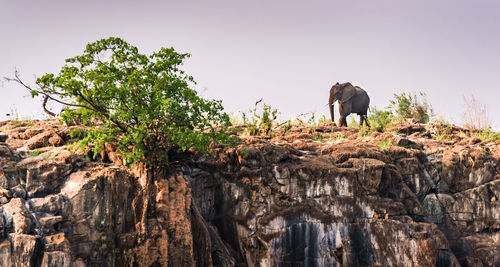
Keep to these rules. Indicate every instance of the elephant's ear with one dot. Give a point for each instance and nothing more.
(346, 91)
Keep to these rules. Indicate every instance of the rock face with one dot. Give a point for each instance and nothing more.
(320, 197)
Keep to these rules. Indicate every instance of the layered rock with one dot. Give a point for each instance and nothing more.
(312, 197)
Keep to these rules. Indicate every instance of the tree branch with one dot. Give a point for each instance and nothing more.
(45, 108)
(47, 96)
(19, 81)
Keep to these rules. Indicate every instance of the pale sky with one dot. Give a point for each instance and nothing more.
(287, 52)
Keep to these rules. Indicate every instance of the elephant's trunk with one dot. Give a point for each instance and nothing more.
(330, 105)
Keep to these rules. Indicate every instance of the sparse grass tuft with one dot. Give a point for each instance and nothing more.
(35, 153)
(486, 135)
(385, 144)
(444, 134)
(341, 136)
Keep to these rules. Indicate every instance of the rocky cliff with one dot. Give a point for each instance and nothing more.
(310, 197)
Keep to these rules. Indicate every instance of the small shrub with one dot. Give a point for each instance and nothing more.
(262, 122)
(311, 123)
(380, 119)
(288, 126)
(486, 135)
(35, 152)
(444, 134)
(267, 120)
(365, 131)
(353, 123)
(323, 119)
(411, 106)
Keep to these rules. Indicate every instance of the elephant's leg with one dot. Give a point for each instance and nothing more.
(365, 120)
(344, 121)
(344, 110)
(362, 119)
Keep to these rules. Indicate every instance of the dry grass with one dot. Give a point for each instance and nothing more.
(475, 117)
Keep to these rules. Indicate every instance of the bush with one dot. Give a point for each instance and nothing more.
(261, 121)
(380, 119)
(411, 106)
(353, 123)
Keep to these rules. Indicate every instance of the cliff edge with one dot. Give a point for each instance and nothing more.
(416, 195)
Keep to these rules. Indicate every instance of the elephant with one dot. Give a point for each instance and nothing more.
(352, 99)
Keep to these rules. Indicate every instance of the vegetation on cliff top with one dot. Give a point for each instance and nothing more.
(145, 106)
(142, 103)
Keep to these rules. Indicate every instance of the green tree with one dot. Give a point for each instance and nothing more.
(142, 103)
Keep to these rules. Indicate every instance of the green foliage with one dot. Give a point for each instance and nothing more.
(385, 143)
(323, 119)
(353, 123)
(244, 150)
(444, 133)
(142, 103)
(341, 136)
(288, 126)
(487, 135)
(77, 133)
(35, 152)
(75, 117)
(318, 137)
(411, 106)
(267, 119)
(311, 123)
(365, 131)
(261, 121)
(380, 119)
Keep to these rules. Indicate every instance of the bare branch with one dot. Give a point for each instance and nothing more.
(47, 96)
(255, 108)
(40, 91)
(45, 108)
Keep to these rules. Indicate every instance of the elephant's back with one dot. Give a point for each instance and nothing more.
(360, 91)
(363, 101)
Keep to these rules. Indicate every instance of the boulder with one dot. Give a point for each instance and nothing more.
(17, 216)
(39, 140)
